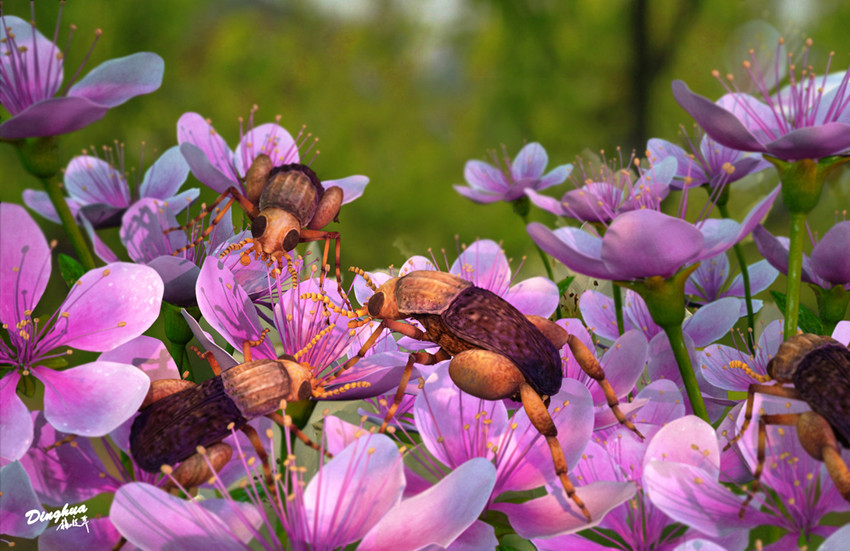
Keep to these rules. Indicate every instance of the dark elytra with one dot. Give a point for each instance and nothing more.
(294, 188)
(485, 320)
(171, 429)
(822, 378)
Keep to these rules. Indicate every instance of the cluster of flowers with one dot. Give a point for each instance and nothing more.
(454, 471)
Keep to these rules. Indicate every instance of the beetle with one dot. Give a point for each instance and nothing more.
(819, 369)
(287, 205)
(178, 416)
(496, 351)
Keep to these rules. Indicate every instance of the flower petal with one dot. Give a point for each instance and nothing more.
(179, 276)
(40, 202)
(688, 440)
(18, 498)
(115, 81)
(91, 180)
(166, 175)
(536, 296)
(530, 162)
(723, 127)
(829, 258)
(574, 248)
(96, 533)
(16, 430)
(478, 196)
(811, 142)
(646, 243)
(439, 514)
(556, 514)
(599, 314)
(546, 203)
(107, 307)
(51, 117)
(94, 398)
(484, 177)
(228, 309)
(354, 490)
(25, 258)
(269, 138)
(352, 187)
(155, 520)
(484, 264)
(712, 321)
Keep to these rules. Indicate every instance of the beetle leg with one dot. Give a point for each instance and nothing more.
(405, 329)
(252, 435)
(787, 419)
(556, 334)
(542, 421)
(198, 468)
(590, 365)
(770, 390)
(421, 357)
(818, 439)
(235, 195)
(281, 420)
(327, 209)
(308, 235)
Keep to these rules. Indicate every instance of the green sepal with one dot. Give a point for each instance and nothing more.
(70, 269)
(832, 305)
(300, 412)
(178, 333)
(522, 206)
(27, 386)
(802, 180)
(806, 320)
(665, 298)
(564, 284)
(41, 157)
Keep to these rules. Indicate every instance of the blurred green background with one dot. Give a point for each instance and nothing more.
(406, 92)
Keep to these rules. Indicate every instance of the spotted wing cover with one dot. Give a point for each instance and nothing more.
(823, 380)
(486, 320)
(172, 428)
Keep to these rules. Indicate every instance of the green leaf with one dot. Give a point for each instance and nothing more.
(70, 269)
(564, 284)
(806, 319)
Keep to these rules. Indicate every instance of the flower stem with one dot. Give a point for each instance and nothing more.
(618, 309)
(795, 272)
(54, 190)
(745, 275)
(683, 359)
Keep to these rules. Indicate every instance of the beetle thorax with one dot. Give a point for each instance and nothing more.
(257, 387)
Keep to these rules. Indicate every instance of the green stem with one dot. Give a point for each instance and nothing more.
(54, 190)
(795, 272)
(745, 275)
(618, 309)
(683, 359)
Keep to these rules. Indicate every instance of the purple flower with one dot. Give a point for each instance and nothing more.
(686, 486)
(602, 197)
(710, 282)
(709, 164)
(298, 322)
(99, 190)
(488, 183)
(455, 427)
(143, 233)
(828, 264)
(106, 307)
(216, 165)
(31, 72)
(808, 120)
(645, 243)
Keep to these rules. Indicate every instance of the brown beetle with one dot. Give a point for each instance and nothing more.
(496, 352)
(287, 205)
(178, 416)
(819, 368)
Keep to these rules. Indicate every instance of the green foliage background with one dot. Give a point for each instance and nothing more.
(404, 94)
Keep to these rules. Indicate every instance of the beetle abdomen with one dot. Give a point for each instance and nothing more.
(294, 188)
(822, 379)
(427, 292)
(490, 322)
(172, 428)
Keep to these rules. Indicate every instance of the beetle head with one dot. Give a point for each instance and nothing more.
(275, 231)
(382, 304)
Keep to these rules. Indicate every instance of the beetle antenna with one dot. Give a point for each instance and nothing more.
(323, 298)
(365, 276)
(738, 364)
(321, 394)
(247, 345)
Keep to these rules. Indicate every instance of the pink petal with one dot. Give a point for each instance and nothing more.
(94, 398)
(157, 521)
(688, 440)
(439, 514)
(91, 180)
(537, 296)
(115, 81)
(555, 514)
(574, 248)
(547, 203)
(269, 138)
(228, 309)
(98, 533)
(107, 307)
(354, 490)
(166, 175)
(40, 202)
(25, 258)
(485, 178)
(352, 187)
(480, 536)
(16, 429)
(51, 117)
(530, 162)
(484, 264)
(146, 353)
(17, 500)
(599, 314)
